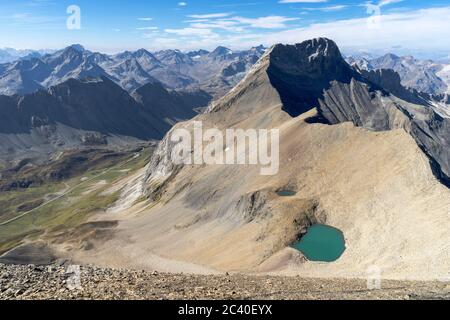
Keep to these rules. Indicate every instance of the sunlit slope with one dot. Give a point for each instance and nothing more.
(377, 187)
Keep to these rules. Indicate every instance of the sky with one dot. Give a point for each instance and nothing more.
(404, 26)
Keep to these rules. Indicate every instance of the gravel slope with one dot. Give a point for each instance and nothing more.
(33, 282)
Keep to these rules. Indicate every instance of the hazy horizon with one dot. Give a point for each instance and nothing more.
(437, 56)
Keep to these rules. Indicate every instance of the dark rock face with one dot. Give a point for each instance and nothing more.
(314, 74)
(443, 98)
(97, 109)
(417, 74)
(174, 105)
(234, 68)
(390, 81)
(432, 134)
(98, 105)
(355, 103)
(301, 72)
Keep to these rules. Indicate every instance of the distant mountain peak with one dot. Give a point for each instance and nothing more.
(173, 57)
(222, 48)
(142, 52)
(221, 51)
(259, 48)
(77, 47)
(424, 76)
(197, 53)
(71, 51)
(145, 55)
(391, 56)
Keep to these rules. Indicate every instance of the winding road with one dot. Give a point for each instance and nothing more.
(66, 192)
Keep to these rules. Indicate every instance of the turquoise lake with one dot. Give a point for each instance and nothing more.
(286, 193)
(322, 243)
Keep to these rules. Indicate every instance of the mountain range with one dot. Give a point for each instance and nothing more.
(358, 151)
(215, 72)
(10, 54)
(423, 75)
(164, 87)
(91, 112)
(353, 155)
(75, 97)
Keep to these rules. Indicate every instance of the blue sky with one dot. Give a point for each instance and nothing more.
(115, 25)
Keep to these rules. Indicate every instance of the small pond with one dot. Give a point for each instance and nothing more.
(286, 193)
(322, 243)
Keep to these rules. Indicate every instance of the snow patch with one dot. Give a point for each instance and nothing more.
(444, 74)
(442, 109)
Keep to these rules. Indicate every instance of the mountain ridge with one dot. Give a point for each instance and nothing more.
(375, 148)
(173, 68)
(362, 169)
(422, 75)
(65, 115)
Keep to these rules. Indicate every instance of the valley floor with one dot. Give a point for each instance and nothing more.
(51, 282)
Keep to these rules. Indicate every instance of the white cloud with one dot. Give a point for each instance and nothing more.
(40, 3)
(191, 32)
(327, 9)
(145, 19)
(396, 29)
(182, 4)
(209, 15)
(381, 3)
(388, 2)
(302, 1)
(21, 16)
(228, 25)
(32, 21)
(269, 22)
(147, 28)
(237, 23)
(197, 20)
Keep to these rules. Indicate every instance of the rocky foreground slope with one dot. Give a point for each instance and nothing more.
(57, 282)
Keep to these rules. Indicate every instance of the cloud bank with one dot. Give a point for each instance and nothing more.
(389, 30)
